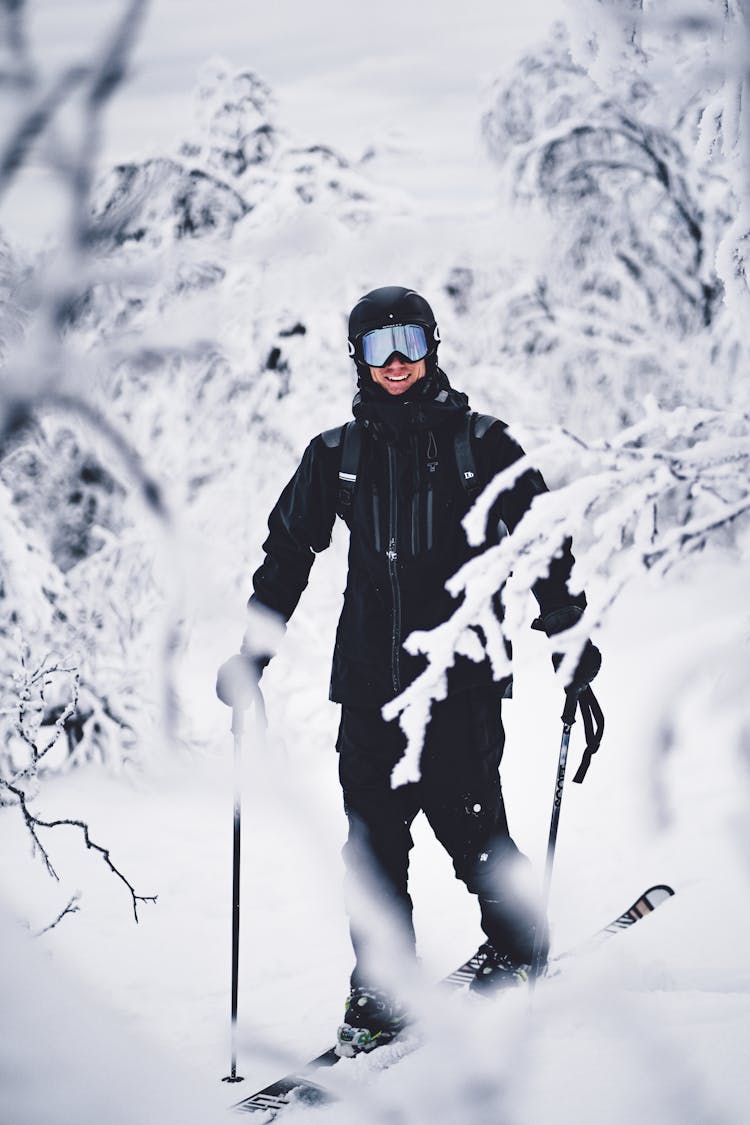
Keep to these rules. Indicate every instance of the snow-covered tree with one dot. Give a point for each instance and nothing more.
(632, 337)
(632, 229)
(146, 407)
(74, 634)
(698, 55)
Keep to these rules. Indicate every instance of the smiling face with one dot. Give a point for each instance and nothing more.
(398, 375)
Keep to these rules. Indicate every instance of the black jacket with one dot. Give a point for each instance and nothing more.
(406, 537)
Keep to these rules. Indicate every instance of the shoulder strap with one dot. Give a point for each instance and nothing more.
(467, 469)
(476, 425)
(349, 467)
(482, 423)
(332, 438)
(465, 457)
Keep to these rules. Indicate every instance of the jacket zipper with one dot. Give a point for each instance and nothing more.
(392, 556)
(432, 464)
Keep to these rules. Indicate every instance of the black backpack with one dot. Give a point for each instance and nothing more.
(476, 424)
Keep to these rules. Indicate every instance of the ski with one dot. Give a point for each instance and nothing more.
(642, 906)
(303, 1085)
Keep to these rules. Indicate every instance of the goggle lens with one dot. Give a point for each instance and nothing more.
(408, 339)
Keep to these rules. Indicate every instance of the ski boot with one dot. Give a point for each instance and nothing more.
(498, 970)
(372, 1018)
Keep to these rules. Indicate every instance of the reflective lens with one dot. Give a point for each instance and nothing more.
(408, 339)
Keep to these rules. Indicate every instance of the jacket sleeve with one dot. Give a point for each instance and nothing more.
(501, 451)
(299, 526)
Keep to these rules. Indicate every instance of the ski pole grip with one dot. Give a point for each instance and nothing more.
(569, 711)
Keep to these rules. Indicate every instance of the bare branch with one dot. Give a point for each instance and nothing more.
(34, 823)
(71, 908)
(31, 824)
(111, 70)
(34, 122)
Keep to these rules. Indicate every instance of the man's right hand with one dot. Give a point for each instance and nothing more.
(238, 678)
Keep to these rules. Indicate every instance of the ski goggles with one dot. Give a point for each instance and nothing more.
(408, 340)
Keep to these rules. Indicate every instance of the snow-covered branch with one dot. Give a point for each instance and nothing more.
(697, 56)
(642, 502)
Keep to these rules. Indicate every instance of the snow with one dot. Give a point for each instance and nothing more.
(106, 1020)
(659, 1013)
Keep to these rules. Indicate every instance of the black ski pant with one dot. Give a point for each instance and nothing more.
(460, 794)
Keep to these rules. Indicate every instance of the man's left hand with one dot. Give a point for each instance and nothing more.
(590, 660)
(589, 663)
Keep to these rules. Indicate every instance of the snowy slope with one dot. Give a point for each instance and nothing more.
(659, 1014)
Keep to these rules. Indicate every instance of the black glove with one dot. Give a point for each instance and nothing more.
(590, 660)
(589, 663)
(238, 678)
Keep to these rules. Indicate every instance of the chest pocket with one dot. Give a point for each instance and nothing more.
(423, 495)
(422, 524)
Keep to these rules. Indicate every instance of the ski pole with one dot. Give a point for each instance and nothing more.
(237, 726)
(568, 718)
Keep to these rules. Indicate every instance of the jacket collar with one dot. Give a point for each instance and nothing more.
(432, 403)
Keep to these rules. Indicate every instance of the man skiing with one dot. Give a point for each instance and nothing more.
(398, 477)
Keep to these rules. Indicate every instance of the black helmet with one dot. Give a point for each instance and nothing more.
(391, 306)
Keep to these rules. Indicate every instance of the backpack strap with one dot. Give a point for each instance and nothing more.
(476, 425)
(467, 472)
(332, 438)
(349, 438)
(351, 449)
(482, 423)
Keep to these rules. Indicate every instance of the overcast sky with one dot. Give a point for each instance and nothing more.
(347, 74)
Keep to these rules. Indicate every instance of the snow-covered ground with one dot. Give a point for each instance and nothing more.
(103, 1010)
